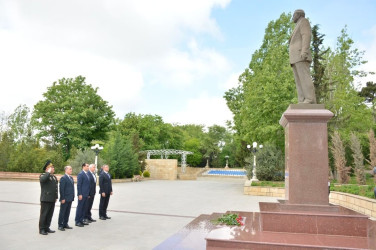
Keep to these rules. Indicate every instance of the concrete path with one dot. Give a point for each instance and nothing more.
(143, 213)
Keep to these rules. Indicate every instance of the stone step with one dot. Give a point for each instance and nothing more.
(312, 219)
(274, 240)
(201, 233)
(253, 235)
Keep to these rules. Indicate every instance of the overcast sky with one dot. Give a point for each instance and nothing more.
(174, 58)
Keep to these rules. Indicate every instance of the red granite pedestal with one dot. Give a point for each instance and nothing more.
(306, 147)
(305, 219)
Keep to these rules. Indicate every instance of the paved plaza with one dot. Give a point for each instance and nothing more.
(143, 213)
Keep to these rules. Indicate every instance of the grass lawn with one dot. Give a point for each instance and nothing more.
(350, 188)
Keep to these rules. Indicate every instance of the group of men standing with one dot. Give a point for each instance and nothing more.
(86, 190)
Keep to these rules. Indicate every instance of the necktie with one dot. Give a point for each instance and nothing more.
(70, 178)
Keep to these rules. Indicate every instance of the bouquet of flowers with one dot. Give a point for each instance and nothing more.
(229, 219)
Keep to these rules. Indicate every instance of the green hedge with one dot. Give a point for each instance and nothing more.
(363, 190)
(268, 183)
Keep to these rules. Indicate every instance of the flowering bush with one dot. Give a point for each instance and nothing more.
(229, 219)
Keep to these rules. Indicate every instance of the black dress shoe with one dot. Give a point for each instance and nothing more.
(61, 228)
(43, 232)
(91, 220)
(85, 223)
(50, 231)
(68, 227)
(102, 218)
(79, 224)
(107, 217)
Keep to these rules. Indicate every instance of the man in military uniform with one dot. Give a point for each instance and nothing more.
(48, 197)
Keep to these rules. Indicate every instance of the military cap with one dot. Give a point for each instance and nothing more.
(48, 164)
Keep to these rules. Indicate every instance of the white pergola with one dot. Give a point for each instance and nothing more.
(164, 153)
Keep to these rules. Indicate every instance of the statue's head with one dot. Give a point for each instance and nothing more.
(297, 15)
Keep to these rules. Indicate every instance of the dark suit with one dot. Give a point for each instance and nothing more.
(93, 188)
(105, 186)
(48, 197)
(83, 188)
(66, 193)
(300, 60)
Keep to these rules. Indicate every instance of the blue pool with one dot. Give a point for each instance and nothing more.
(226, 172)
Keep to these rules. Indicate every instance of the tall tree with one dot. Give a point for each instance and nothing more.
(153, 132)
(19, 123)
(121, 156)
(266, 88)
(73, 114)
(369, 93)
(350, 112)
(3, 123)
(318, 67)
(7, 148)
(213, 143)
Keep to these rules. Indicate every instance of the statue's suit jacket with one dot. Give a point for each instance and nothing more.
(300, 41)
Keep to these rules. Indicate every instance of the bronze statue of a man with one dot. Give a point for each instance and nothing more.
(301, 58)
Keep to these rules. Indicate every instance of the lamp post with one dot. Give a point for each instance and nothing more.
(254, 150)
(96, 148)
(226, 161)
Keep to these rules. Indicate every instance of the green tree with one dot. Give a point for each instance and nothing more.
(193, 141)
(73, 114)
(84, 156)
(318, 67)
(121, 157)
(152, 132)
(350, 112)
(266, 88)
(369, 93)
(213, 142)
(194, 145)
(19, 123)
(7, 148)
(3, 123)
(27, 157)
(270, 164)
(148, 128)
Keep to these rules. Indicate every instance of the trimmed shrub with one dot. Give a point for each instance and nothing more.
(270, 165)
(146, 174)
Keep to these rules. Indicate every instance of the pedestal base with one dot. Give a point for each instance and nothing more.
(280, 226)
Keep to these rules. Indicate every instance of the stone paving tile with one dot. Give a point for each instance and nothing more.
(143, 213)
